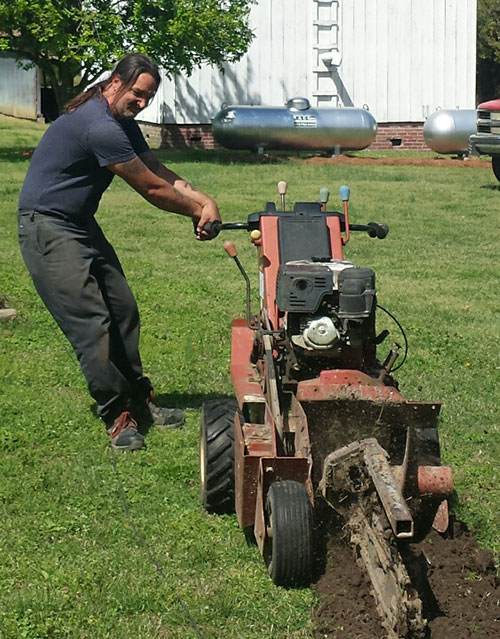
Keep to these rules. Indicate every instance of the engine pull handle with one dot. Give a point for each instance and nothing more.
(345, 192)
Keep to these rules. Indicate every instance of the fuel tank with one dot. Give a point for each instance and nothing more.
(448, 131)
(294, 126)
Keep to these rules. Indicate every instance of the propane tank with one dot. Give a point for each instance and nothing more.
(296, 126)
(448, 131)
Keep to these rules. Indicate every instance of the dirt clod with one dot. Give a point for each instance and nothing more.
(457, 582)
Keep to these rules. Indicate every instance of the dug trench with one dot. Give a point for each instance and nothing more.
(455, 579)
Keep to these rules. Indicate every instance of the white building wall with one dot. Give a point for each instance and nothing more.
(411, 58)
(401, 58)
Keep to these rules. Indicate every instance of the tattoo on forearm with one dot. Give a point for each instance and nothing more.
(134, 167)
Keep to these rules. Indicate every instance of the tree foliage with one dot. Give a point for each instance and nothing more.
(488, 49)
(74, 41)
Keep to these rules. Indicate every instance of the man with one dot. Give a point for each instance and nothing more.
(74, 268)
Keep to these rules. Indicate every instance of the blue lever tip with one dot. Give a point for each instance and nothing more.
(345, 191)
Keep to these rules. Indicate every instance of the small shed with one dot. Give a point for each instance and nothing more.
(19, 88)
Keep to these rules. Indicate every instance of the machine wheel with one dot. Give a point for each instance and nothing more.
(289, 548)
(495, 165)
(217, 455)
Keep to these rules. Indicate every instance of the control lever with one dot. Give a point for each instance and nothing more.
(345, 192)
(282, 185)
(230, 249)
(324, 194)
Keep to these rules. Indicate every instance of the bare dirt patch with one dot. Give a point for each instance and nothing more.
(457, 582)
(470, 163)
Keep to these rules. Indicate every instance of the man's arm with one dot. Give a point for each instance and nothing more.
(162, 192)
(210, 211)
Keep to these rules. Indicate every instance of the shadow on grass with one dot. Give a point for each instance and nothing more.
(219, 156)
(185, 400)
(15, 154)
(491, 187)
(178, 400)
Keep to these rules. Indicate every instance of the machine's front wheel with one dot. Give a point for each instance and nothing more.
(495, 165)
(289, 548)
(217, 455)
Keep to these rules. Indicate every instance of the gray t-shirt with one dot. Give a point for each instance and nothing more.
(67, 174)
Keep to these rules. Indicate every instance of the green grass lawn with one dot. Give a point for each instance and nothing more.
(70, 564)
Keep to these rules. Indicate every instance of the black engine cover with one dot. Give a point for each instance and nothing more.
(356, 292)
(301, 287)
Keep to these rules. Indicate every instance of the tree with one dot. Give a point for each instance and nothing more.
(488, 49)
(74, 41)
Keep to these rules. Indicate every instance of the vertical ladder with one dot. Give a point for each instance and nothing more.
(326, 47)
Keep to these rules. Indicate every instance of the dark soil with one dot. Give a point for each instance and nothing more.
(457, 582)
(470, 163)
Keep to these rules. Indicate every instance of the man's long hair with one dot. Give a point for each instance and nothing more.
(128, 70)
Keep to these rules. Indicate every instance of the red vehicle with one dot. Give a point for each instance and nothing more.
(318, 420)
(487, 139)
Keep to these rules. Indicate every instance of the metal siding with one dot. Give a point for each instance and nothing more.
(19, 89)
(427, 63)
(372, 61)
(450, 52)
(359, 30)
(470, 69)
(419, 56)
(377, 96)
(346, 45)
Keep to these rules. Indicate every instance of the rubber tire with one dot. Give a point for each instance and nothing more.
(289, 551)
(495, 165)
(217, 455)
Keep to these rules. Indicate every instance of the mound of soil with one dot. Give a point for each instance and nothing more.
(469, 163)
(457, 583)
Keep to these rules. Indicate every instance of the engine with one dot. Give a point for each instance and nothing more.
(329, 311)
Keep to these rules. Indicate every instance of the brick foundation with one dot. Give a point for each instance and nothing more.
(404, 136)
(179, 136)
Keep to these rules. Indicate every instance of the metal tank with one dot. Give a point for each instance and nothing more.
(294, 126)
(448, 131)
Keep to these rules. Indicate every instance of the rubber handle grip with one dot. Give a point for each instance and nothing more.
(212, 229)
(377, 230)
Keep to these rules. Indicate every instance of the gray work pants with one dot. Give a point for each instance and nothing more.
(81, 282)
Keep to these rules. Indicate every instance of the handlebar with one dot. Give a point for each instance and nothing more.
(214, 228)
(374, 229)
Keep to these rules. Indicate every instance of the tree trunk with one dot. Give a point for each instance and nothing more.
(60, 76)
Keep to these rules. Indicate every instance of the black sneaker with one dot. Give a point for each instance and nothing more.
(166, 417)
(148, 414)
(124, 434)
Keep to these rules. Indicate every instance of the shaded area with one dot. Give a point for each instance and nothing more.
(15, 154)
